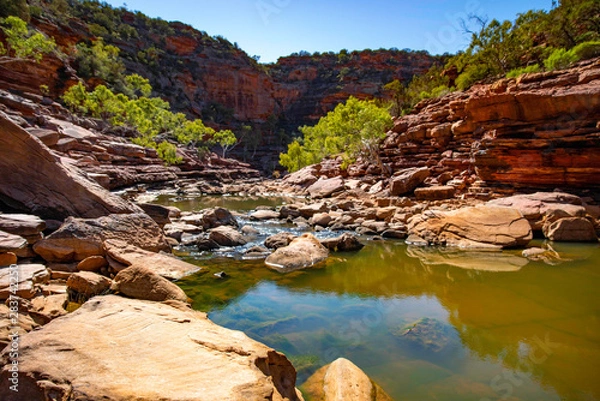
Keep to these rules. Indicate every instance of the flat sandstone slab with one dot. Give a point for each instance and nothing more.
(114, 348)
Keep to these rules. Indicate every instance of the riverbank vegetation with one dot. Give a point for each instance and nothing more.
(151, 117)
(352, 129)
(536, 41)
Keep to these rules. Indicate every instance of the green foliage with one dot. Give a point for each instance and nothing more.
(517, 72)
(587, 50)
(44, 90)
(150, 116)
(17, 8)
(23, 43)
(192, 132)
(573, 22)
(352, 129)
(398, 92)
(472, 73)
(224, 138)
(168, 152)
(560, 59)
(499, 48)
(138, 85)
(102, 62)
(432, 84)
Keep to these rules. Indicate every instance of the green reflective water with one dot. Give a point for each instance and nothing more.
(425, 324)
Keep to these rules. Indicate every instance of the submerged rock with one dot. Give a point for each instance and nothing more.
(342, 380)
(430, 334)
(304, 251)
(104, 350)
(469, 260)
(547, 255)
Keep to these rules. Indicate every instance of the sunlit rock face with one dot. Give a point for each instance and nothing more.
(538, 131)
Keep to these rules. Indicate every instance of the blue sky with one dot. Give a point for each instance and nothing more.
(275, 28)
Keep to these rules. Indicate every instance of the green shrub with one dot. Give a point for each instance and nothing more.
(517, 72)
(587, 50)
(560, 59)
(150, 116)
(472, 74)
(352, 129)
(23, 43)
(168, 152)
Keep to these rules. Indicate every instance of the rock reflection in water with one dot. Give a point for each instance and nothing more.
(471, 260)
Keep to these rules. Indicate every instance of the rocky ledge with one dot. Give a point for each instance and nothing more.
(121, 349)
(104, 153)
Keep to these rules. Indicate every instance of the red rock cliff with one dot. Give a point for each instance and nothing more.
(539, 131)
(211, 78)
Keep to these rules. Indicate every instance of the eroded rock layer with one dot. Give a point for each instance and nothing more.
(539, 131)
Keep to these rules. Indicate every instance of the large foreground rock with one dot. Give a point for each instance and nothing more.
(482, 226)
(304, 251)
(166, 266)
(45, 186)
(120, 349)
(78, 238)
(342, 380)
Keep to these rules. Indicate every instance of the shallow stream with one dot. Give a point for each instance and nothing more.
(425, 324)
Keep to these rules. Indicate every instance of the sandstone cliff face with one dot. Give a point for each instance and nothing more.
(211, 78)
(104, 153)
(307, 87)
(539, 131)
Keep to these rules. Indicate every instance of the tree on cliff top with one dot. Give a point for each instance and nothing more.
(22, 43)
(499, 47)
(352, 129)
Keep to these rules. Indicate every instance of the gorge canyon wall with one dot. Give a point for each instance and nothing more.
(540, 131)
